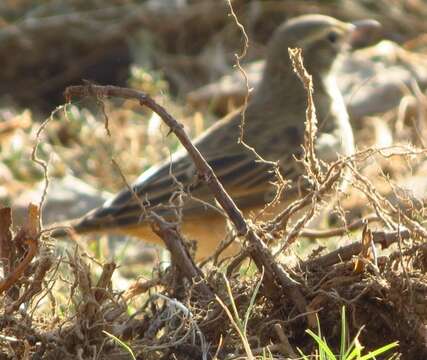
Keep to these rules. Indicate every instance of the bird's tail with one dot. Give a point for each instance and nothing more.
(64, 229)
(69, 229)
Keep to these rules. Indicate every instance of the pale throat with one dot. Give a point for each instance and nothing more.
(338, 114)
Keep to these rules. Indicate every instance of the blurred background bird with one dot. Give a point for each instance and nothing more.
(274, 127)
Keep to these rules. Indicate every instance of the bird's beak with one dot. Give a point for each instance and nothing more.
(364, 33)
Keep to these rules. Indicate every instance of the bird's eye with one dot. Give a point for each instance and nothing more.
(332, 37)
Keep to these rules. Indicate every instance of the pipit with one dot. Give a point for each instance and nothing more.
(274, 128)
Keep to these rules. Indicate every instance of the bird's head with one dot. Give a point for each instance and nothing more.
(322, 39)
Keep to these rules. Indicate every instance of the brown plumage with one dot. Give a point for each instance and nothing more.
(274, 126)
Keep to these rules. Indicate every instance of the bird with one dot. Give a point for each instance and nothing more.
(274, 127)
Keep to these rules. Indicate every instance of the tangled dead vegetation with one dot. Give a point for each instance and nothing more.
(192, 311)
(179, 319)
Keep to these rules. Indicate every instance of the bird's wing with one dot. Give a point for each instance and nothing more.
(246, 179)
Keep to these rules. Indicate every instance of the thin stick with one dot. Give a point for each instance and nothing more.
(274, 273)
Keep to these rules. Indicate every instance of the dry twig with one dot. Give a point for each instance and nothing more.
(274, 273)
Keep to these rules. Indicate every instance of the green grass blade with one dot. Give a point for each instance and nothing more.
(303, 356)
(122, 344)
(355, 353)
(252, 302)
(355, 348)
(379, 351)
(343, 341)
(233, 305)
(323, 346)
